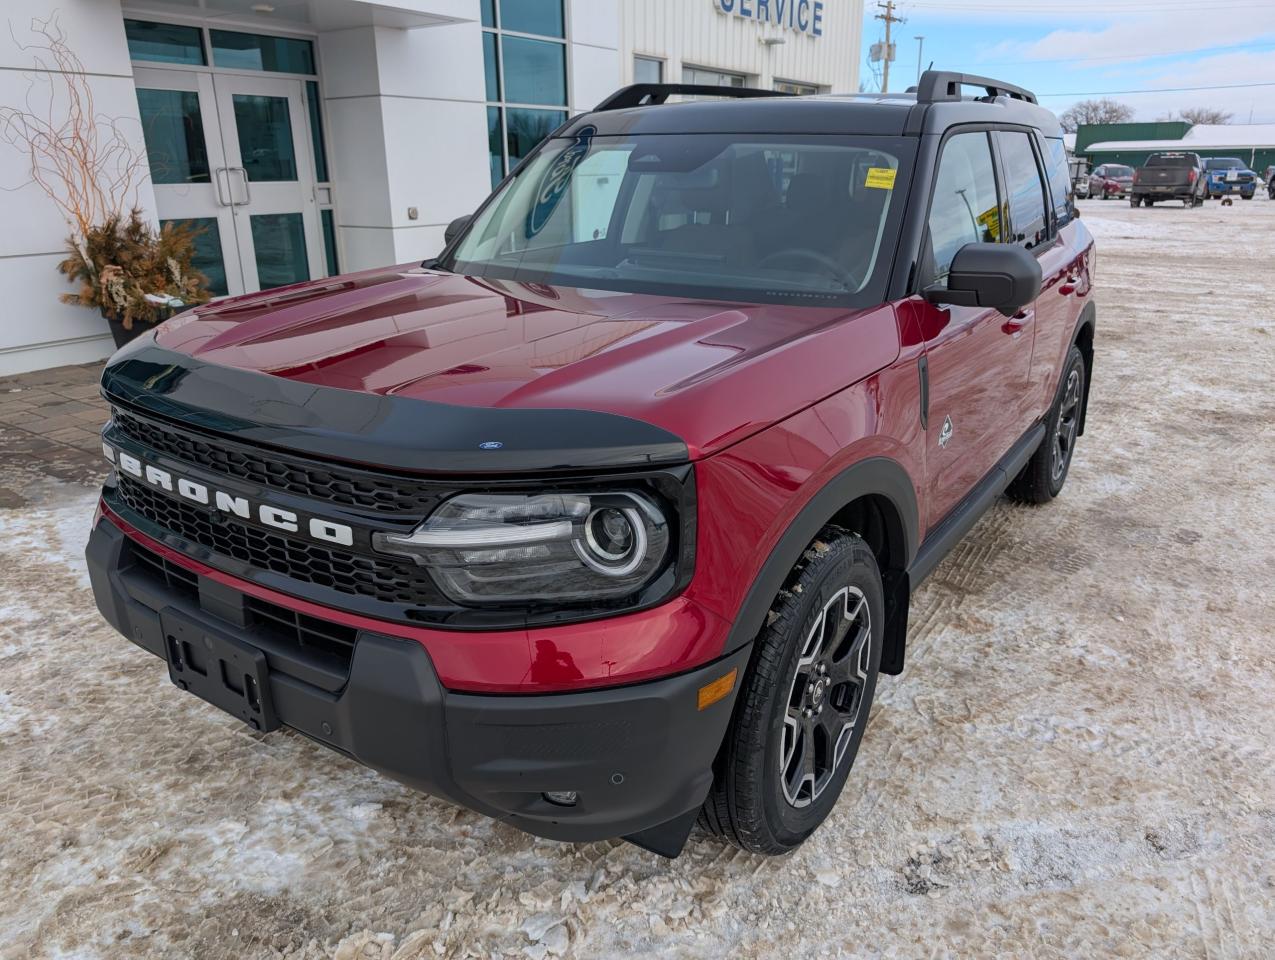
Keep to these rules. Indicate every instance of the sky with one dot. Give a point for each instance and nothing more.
(1067, 50)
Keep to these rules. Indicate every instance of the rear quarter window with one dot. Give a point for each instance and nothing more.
(1060, 185)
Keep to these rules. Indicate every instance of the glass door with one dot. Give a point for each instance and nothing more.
(187, 163)
(270, 179)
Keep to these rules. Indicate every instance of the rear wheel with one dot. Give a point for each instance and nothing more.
(804, 704)
(1046, 472)
(1135, 201)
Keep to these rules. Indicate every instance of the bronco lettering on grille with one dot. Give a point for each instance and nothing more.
(280, 519)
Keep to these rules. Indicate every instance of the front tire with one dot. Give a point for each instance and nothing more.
(1046, 472)
(804, 704)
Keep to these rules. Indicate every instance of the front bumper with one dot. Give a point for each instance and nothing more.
(638, 756)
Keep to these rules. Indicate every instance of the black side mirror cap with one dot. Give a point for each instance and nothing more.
(456, 228)
(1002, 276)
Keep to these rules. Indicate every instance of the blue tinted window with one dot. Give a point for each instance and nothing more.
(173, 132)
(495, 156)
(528, 127)
(329, 241)
(543, 17)
(251, 51)
(535, 71)
(164, 42)
(492, 66)
(316, 131)
(489, 13)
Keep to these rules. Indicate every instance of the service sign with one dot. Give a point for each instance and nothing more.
(803, 16)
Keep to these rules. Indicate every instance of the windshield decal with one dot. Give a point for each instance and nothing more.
(553, 186)
(882, 178)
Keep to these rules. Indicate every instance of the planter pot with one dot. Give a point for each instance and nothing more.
(121, 335)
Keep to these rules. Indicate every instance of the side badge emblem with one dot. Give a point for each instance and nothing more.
(946, 433)
(490, 445)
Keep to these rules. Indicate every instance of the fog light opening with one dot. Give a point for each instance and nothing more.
(562, 798)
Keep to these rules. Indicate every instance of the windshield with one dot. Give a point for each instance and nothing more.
(1223, 163)
(756, 218)
(1118, 171)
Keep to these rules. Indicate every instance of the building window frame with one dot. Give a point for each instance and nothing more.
(798, 88)
(502, 104)
(661, 67)
(746, 79)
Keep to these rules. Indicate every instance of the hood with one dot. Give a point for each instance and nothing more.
(710, 373)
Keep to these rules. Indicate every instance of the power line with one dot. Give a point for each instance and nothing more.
(1114, 93)
(1263, 44)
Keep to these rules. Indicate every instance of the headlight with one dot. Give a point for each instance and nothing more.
(506, 548)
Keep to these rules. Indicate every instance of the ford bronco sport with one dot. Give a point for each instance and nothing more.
(607, 518)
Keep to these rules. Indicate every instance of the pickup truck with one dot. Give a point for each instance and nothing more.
(1229, 175)
(607, 519)
(1169, 176)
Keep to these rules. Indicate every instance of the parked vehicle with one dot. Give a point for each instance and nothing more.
(1170, 176)
(1270, 182)
(608, 518)
(1229, 175)
(1111, 181)
(1079, 169)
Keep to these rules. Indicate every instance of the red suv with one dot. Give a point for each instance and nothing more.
(607, 519)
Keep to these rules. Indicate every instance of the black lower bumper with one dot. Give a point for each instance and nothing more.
(638, 757)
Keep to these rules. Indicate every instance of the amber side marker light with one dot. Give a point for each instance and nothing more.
(710, 693)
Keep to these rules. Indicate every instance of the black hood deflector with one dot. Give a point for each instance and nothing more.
(371, 430)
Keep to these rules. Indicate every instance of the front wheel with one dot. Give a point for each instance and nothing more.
(804, 704)
(1046, 472)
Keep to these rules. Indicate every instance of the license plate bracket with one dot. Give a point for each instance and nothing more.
(221, 669)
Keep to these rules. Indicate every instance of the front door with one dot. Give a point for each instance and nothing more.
(979, 361)
(231, 154)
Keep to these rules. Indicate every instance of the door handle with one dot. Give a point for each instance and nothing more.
(247, 190)
(1069, 286)
(221, 197)
(1015, 324)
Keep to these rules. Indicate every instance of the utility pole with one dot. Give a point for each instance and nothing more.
(920, 55)
(890, 19)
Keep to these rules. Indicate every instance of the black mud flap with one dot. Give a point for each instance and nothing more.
(226, 672)
(666, 839)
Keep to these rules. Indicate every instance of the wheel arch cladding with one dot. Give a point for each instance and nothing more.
(1083, 340)
(873, 498)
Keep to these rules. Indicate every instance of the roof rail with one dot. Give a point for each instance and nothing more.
(651, 94)
(939, 86)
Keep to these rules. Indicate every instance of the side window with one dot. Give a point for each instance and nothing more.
(965, 208)
(1024, 190)
(1060, 185)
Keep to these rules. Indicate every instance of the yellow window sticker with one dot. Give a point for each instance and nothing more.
(880, 177)
(991, 221)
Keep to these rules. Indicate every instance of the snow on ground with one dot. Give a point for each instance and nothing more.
(1078, 761)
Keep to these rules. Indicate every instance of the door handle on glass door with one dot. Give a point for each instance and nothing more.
(221, 196)
(247, 190)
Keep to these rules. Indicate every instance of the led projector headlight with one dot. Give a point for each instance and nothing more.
(504, 548)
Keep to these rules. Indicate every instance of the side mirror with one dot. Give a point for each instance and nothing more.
(456, 228)
(1003, 276)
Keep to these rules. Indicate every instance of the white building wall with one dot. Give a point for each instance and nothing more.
(37, 331)
(698, 33)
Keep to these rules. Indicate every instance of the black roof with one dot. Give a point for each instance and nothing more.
(640, 109)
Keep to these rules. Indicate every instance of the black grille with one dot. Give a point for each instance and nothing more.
(338, 570)
(305, 633)
(320, 481)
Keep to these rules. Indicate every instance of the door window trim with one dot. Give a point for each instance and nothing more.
(1007, 212)
(1001, 204)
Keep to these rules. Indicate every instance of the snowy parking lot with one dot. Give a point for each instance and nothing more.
(1077, 762)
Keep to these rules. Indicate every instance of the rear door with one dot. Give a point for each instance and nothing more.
(978, 360)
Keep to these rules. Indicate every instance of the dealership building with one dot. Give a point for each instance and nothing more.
(314, 137)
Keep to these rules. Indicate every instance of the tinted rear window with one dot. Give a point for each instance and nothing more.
(1170, 160)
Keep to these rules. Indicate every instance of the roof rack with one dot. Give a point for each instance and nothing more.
(940, 86)
(652, 94)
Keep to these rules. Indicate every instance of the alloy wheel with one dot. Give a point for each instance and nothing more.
(1068, 424)
(826, 696)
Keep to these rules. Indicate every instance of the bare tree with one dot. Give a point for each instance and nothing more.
(1094, 111)
(1194, 115)
(89, 167)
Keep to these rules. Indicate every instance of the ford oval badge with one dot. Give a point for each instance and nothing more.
(490, 445)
